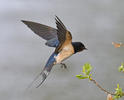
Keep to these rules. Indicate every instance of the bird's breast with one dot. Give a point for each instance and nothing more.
(66, 52)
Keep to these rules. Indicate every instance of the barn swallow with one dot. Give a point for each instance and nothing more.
(60, 39)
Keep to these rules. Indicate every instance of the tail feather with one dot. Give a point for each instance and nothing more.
(44, 75)
(40, 78)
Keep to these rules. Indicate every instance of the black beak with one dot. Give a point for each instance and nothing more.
(86, 49)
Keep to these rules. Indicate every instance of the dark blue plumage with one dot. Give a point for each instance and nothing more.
(52, 43)
(59, 38)
(45, 72)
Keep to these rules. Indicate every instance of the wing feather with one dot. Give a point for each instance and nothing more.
(64, 36)
(46, 32)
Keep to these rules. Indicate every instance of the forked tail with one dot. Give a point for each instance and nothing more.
(45, 72)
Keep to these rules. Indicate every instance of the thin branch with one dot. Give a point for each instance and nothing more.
(94, 81)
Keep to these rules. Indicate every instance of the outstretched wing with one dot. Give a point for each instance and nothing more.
(46, 32)
(64, 36)
(45, 72)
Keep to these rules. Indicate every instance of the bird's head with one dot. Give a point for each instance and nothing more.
(78, 47)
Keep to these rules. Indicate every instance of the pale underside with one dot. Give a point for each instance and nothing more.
(66, 52)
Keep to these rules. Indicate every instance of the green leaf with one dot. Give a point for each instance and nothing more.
(117, 85)
(121, 68)
(86, 72)
(87, 68)
(118, 92)
(81, 76)
(84, 77)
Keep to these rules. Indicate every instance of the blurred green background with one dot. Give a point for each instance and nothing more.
(97, 23)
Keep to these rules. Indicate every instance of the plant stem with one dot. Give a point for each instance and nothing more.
(94, 81)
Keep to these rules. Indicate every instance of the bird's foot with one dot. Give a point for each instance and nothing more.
(63, 65)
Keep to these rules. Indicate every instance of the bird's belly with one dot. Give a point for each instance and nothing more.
(64, 54)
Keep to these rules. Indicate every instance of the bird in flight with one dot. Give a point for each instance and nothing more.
(60, 39)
